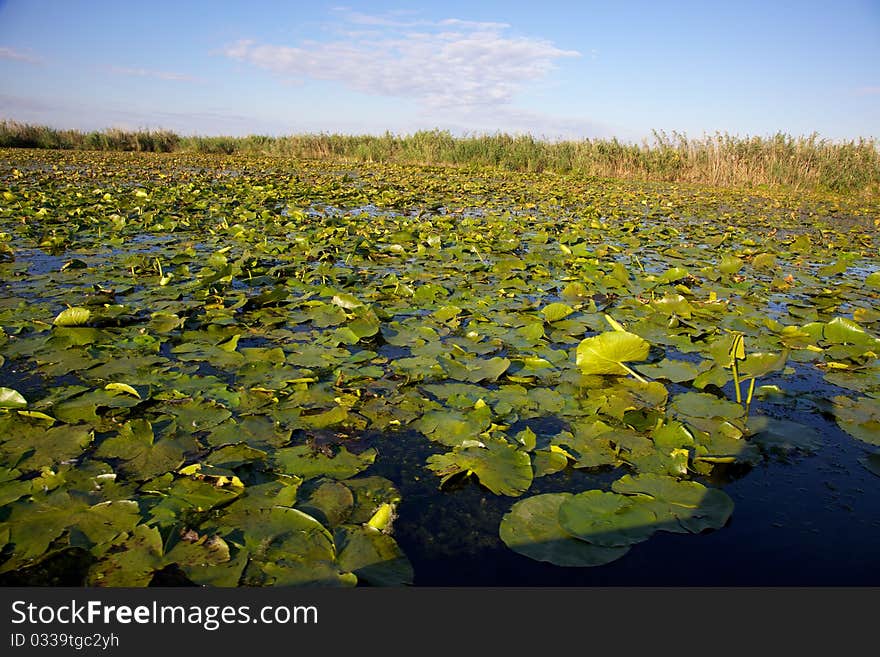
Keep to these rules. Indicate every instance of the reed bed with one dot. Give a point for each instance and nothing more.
(798, 162)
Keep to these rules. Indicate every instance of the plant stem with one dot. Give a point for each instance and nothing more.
(633, 372)
(736, 381)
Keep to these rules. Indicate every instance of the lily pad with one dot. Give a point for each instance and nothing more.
(677, 371)
(871, 463)
(375, 557)
(693, 506)
(532, 528)
(137, 560)
(141, 453)
(607, 352)
(783, 436)
(500, 467)
(304, 461)
(607, 519)
(74, 316)
(860, 418)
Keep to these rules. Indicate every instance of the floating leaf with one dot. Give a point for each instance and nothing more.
(74, 316)
(373, 556)
(142, 555)
(783, 436)
(871, 463)
(691, 504)
(860, 418)
(555, 311)
(607, 519)
(532, 529)
(36, 523)
(677, 371)
(704, 405)
(330, 502)
(10, 398)
(123, 387)
(304, 461)
(605, 353)
(841, 330)
(142, 455)
(500, 467)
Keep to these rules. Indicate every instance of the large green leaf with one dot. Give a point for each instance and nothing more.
(373, 556)
(605, 353)
(139, 558)
(74, 316)
(500, 467)
(142, 455)
(34, 524)
(607, 519)
(307, 462)
(783, 436)
(693, 506)
(860, 418)
(532, 529)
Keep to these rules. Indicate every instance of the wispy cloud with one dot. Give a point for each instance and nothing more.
(868, 91)
(67, 113)
(18, 56)
(451, 64)
(146, 73)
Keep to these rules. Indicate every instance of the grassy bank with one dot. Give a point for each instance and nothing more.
(811, 162)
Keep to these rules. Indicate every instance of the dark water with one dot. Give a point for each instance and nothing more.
(810, 520)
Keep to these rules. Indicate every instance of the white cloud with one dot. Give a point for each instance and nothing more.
(146, 73)
(18, 56)
(449, 65)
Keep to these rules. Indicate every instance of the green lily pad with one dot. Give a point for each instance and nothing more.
(370, 493)
(783, 436)
(142, 454)
(677, 371)
(330, 502)
(74, 316)
(139, 558)
(841, 330)
(761, 364)
(607, 519)
(555, 311)
(190, 494)
(375, 557)
(305, 462)
(589, 446)
(232, 456)
(31, 446)
(36, 523)
(452, 428)
(532, 528)
(871, 463)
(607, 352)
(500, 467)
(860, 418)
(547, 462)
(693, 506)
(704, 405)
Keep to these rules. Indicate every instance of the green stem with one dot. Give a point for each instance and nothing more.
(736, 382)
(749, 397)
(633, 372)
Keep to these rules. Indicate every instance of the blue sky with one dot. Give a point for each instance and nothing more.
(552, 69)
